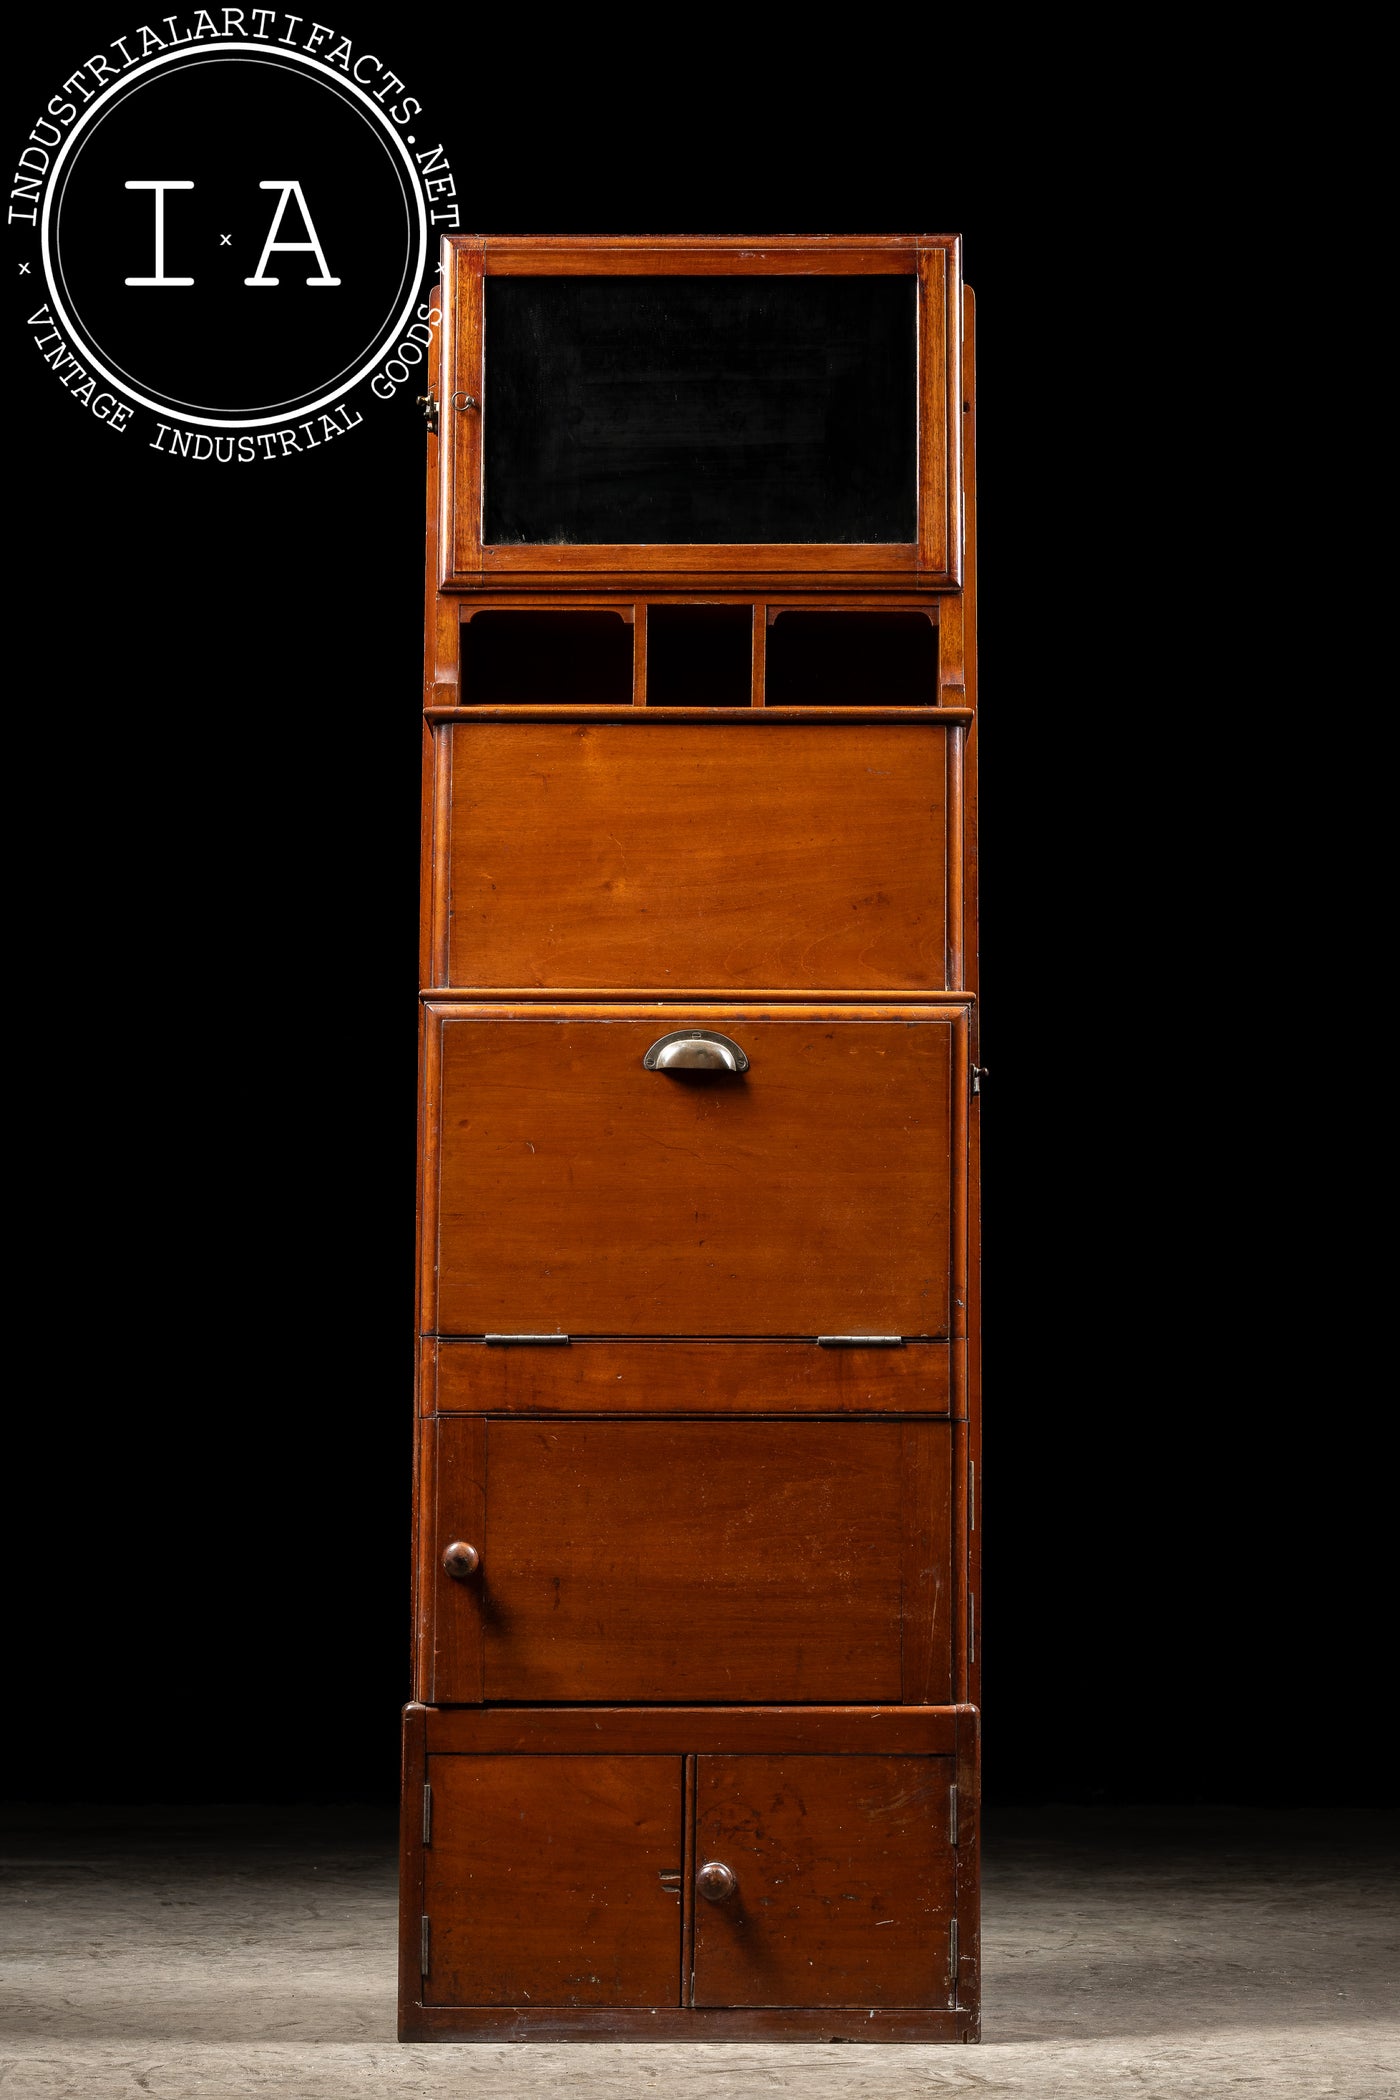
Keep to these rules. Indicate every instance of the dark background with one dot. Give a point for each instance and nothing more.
(214, 788)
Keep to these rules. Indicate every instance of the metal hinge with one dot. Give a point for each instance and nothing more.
(427, 1815)
(977, 1074)
(952, 1953)
(953, 1814)
(520, 1341)
(428, 403)
(425, 1945)
(860, 1341)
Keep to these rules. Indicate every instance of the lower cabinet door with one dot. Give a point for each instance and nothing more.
(824, 1881)
(776, 1562)
(554, 1881)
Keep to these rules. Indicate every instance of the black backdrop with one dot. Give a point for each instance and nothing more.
(214, 743)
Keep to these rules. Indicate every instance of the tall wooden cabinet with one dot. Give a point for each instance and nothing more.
(693, 1750)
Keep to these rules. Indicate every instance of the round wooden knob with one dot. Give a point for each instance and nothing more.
(460, 1560)
(715, 1881)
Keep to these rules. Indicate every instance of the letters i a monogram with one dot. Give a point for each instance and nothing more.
(271, 245)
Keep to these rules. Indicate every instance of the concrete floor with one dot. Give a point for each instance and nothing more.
(1160, 1954)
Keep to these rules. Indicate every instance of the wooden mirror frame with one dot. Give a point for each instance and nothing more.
(932, 562)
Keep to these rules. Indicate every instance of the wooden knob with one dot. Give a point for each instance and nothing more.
(715, 1881)
(460, 1560)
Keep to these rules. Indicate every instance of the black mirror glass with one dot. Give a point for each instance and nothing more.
(690, 410)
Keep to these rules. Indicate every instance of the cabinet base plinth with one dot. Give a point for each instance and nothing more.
(451, 2023)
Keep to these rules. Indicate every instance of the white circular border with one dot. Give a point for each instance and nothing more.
(159, 408)
(190, 61)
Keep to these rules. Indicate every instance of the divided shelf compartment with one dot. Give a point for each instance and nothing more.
(701, 653)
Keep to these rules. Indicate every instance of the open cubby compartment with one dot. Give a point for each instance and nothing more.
(840, 657)
(555, 656)
(699, 655)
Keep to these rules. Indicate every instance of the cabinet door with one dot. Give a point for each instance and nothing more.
(838, 1886)
(812, 1193)
(819, 381)
(685, 854)
(772, 1561)
(554, 1881)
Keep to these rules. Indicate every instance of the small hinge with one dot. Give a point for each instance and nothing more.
(428, 403)
(521, 1341)
(427, 1815)
(953, 1814)
(425, 1945)
(860, 1341)
(952, 1952)
(978, 1074)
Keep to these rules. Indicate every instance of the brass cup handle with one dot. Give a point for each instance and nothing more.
(461, 1560)
(715, 1881)
(695, 1050)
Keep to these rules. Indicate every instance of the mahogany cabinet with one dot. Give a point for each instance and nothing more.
(693, 1748)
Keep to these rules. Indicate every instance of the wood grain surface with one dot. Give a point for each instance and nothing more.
(655, 852)
(495, 2025)
(926, 1731)
(580, 1192)
(542, 1882)
(762, 1559)
(692, 1560)
(845, 1881)
(688, 1378)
